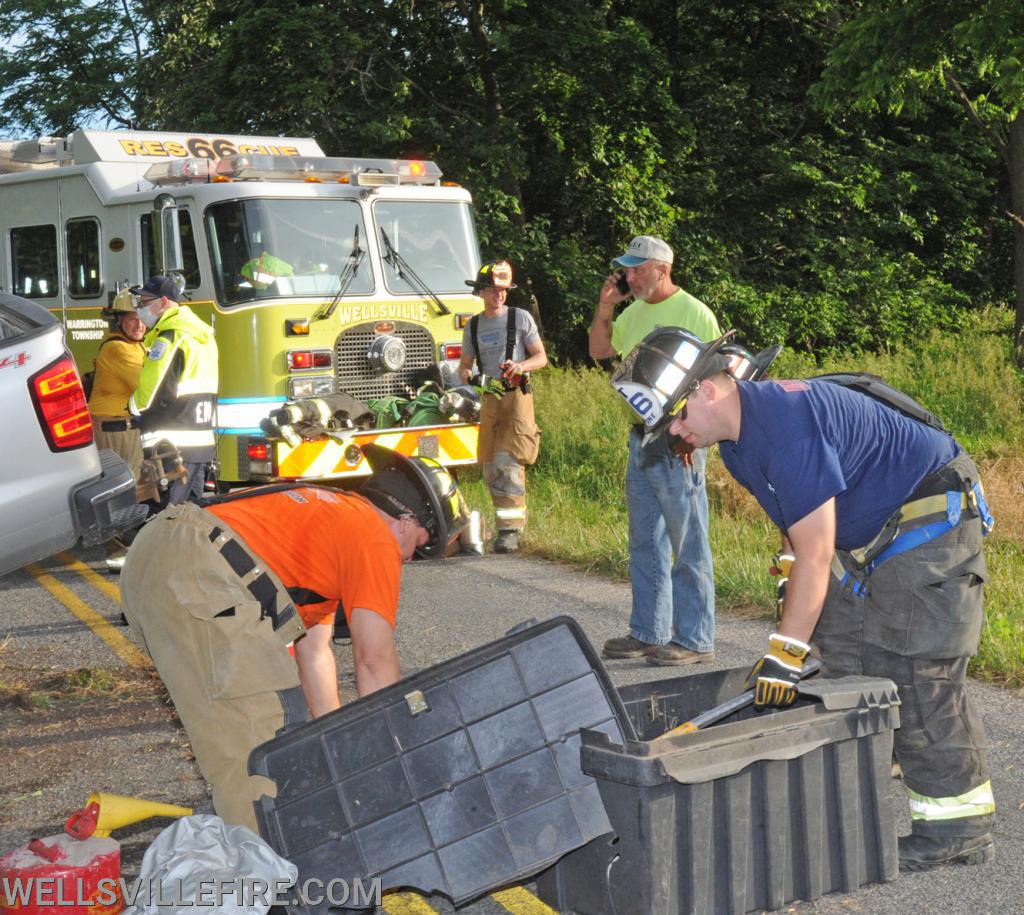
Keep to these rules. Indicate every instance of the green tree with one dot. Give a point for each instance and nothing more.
(64, 63)
(555, 115)
(819, 231)
(898, 56)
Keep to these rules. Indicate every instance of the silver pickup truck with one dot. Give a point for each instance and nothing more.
(56, 488)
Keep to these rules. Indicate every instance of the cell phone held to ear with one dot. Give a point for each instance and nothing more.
(620, 282)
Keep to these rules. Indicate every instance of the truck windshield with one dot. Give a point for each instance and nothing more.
(271, 248)
(436, 239)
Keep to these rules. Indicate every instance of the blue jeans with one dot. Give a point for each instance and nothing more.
(669, 553)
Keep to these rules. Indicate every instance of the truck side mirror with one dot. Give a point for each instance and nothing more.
(165, 222)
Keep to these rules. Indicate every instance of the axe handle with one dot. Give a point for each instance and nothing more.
(719, 712)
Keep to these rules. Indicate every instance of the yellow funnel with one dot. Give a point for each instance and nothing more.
(117, 811)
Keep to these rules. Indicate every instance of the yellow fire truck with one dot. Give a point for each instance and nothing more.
(321, 275)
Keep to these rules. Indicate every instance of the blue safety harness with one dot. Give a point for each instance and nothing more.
(857, 585)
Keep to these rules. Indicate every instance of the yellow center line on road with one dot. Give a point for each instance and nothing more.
(92, 576)
(100, 625)
(406, 904)
(520, 901)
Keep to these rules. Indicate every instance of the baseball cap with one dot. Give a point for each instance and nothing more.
(497, 274)
(156, 287)
(644, 248)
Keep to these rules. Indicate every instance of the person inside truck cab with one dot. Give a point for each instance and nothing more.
(177, 391)
(263, 271)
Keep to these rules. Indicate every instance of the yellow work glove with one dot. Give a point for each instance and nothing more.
(774, 678)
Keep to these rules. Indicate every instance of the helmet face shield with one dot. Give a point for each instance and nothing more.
(443, 528)
(657, 376)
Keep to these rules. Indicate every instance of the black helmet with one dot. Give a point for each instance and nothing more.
(665, 368)
(420, 487)
(497, 274)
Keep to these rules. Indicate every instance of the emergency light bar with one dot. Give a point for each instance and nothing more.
(311, 169)
(181, 171)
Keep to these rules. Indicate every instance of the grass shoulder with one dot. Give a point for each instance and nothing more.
(578, 512)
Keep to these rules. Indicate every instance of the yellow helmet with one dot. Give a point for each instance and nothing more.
(123, 304)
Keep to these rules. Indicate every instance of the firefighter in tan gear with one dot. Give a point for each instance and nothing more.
(216, 593)
(177, 388)
(116, 376)
(506, 346)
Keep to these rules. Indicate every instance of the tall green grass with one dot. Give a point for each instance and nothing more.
(577, 508)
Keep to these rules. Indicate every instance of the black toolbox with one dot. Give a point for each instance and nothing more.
(459, 779)
(759, 810)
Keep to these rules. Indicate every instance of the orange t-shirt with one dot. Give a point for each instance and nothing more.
(333, 543)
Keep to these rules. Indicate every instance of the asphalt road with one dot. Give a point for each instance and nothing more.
(447, 608)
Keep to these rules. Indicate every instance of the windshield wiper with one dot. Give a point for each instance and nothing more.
(345, 278)
(405, 272)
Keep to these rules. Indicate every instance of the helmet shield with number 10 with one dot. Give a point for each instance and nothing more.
(663, 370)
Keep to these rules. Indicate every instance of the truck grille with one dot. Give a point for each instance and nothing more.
(356, 377)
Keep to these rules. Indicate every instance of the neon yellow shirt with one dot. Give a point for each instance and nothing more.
(679, 310)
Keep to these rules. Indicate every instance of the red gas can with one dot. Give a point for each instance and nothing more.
(62, 874)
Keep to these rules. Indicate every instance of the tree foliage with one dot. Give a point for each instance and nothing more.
(63, 62)
(579, 123)
(901, 56)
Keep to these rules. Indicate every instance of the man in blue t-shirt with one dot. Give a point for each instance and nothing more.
(884, 515)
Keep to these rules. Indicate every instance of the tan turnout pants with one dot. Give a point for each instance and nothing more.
(509, 440)
(214, 644)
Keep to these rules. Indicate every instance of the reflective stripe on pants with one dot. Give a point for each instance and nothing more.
(976, 802)
(506, 481)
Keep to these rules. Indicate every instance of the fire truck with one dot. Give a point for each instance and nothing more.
(320, 275)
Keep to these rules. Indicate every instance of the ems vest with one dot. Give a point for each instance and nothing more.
(177, 390)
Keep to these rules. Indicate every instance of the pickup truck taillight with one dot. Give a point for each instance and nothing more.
(59, 400)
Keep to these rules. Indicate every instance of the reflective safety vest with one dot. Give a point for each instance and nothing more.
(177, 389)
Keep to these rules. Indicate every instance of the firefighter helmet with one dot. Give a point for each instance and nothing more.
(663, 370)
(420, 487)
(497, 274)
(122, 304)
(745, 367)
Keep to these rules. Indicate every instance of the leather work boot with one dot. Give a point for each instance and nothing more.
(626, 647)
(921, 853)
(673, 655)
(507, 542)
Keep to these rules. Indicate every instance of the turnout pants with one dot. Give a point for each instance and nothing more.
(509, 441)
(127, 443)
(217, 624)
(917, 622)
